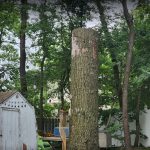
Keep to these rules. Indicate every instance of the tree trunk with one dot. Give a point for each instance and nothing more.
(62, 79)
(113, 56)
(45, 51)
(23, 82)
(41, 93)
(61, 88)
(129, 21)
(1, 36)
(137, 135)
(84, 90)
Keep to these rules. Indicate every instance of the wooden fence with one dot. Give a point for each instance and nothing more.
(49, 124)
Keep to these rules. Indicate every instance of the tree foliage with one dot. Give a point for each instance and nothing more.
(48, 35)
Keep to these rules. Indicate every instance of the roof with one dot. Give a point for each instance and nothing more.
(5, 95)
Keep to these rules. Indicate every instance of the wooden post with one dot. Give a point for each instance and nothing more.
(84, 90)
(62, 123)
(24, 146)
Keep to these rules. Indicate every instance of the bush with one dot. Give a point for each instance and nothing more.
(42, 145)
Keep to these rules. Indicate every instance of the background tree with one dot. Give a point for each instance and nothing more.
(111, 48)
(9, 22)
(139, 75)
(130, 24)
(23, 82)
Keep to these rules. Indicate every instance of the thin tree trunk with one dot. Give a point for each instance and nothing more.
(23, 81)
(129, 21)
(84, 90)
(65, 65)
(137, 135)
(41, 92)
(1, 36)
(61, 87)
(113, 56)
(45, 51)
(62, 80)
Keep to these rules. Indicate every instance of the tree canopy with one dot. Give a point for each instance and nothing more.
(46, 29)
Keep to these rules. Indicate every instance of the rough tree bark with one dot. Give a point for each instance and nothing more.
(84, 90)
(116, 72)
(137, 134)
(129, 21)
(23, 82)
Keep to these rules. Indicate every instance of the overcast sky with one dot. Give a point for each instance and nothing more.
(114, 8)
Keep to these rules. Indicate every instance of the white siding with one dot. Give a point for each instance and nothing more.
(1, 119)
(104, 140)
(28, 127)
(145, 126)
(145, 129)
(10, 129)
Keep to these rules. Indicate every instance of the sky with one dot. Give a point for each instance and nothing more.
(114, 8)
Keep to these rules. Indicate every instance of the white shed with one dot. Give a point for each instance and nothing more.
(17, 123)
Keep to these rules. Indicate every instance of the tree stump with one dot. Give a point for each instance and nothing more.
(84, 90)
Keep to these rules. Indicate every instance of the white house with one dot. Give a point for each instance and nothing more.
(17, 122)
(145, 129)
(145, 126)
